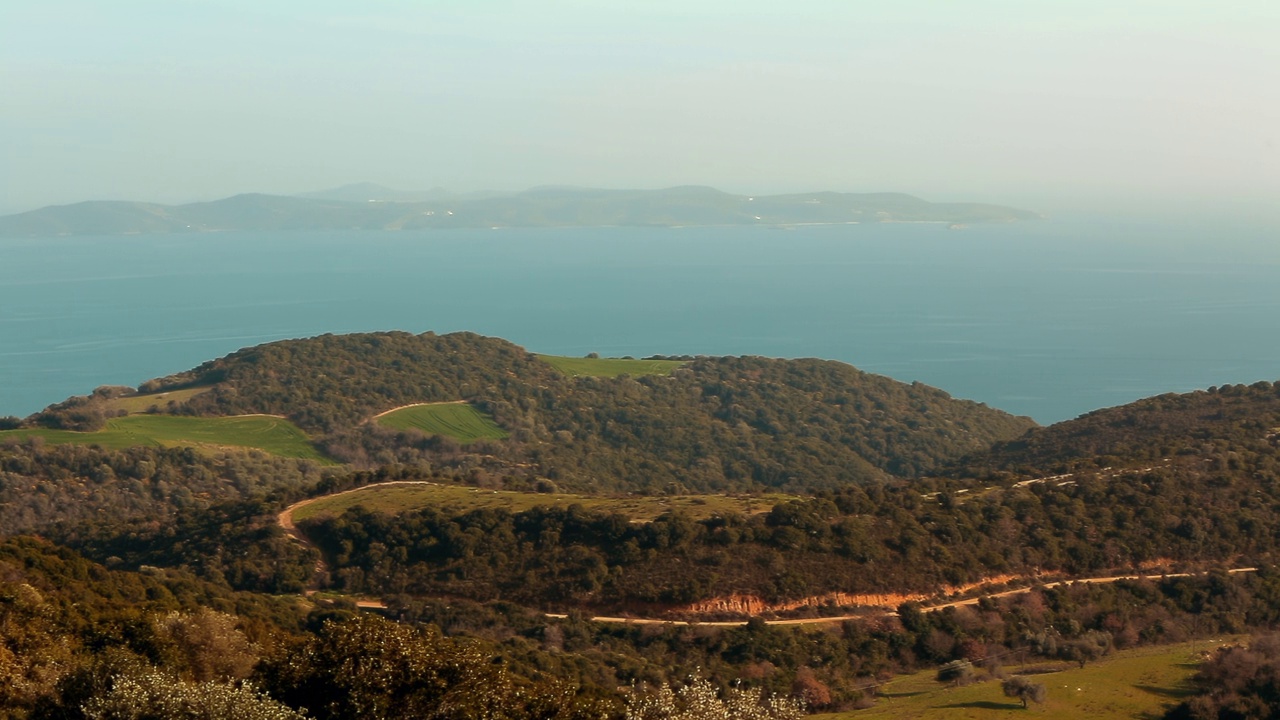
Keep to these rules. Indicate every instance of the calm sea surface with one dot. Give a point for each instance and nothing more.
(1048, 319)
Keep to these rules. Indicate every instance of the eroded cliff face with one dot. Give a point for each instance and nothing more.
(753, 605)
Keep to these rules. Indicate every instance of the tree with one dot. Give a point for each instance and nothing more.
(809, 689)
(697, 699)
(156, 696)
(208, 645)
(374, 669)
(1089, 646)
(956, 672)
(1237, 683)
(1023, 689)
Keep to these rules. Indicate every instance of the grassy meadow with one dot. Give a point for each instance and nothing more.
(404, 498)
(609, 367)
(1137, 683)
(270, 434)
(135, 404)
(456, 420)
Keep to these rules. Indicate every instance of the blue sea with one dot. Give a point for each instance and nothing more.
(1048, 319)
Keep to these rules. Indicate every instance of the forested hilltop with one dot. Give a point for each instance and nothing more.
(710, 424)
(1146, 430)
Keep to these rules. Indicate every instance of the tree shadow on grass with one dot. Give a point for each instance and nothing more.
(985, 705)
(1174, 693)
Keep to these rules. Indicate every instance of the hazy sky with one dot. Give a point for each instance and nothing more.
(1037, 102)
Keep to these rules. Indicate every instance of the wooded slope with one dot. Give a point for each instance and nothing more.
(717, 423)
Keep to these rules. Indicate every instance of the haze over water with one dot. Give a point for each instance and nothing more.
(1048, 319)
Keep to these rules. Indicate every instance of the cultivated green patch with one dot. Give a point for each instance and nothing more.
(1135, 683)
(609, 367)
(271, 434)
(455, 419)
(399, 498)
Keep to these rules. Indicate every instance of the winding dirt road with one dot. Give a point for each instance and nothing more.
(285, 519)
(885, 612)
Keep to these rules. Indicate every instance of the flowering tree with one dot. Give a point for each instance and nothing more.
(697, 699)
(157, 696)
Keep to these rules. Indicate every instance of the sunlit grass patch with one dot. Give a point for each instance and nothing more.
(399, 498)
(609, 367)
(457, 420)
(134, 404)
(270, 434)
(1135, 683)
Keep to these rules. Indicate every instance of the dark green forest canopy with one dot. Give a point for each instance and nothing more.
(1213, 508)
(1188, 479)
(716, 423)
(1200, 485)
(42, 485)
(1147, 430)
(1186, 482)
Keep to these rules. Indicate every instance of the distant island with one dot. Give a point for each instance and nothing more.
(371, 207)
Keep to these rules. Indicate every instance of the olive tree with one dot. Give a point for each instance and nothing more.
(1024, 689)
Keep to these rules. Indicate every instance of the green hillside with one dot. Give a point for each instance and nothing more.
(270, 434)
(720, 424)
(1144, 431)
(457, 420)
(896, 495)
(1131, 684)
(150, 402)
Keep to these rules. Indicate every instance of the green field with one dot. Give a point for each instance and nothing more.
(403, 498)
(271, 434)
(609, 367)
(457, 420)
(1138, 683)
(134, 404)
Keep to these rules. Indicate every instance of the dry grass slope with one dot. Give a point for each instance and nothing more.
(1138, 683)
(270, 434)
(399, 498)
(135, 404)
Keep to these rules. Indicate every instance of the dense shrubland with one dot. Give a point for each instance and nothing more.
(1219, 507)
(179, 618)
(1236, 683)
(715, 424)
(80, 641)
(1143, 432)
(42, 485)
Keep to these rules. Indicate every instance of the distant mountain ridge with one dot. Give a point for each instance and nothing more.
(367, 206)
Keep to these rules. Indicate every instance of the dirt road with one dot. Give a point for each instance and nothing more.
(285, 519)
